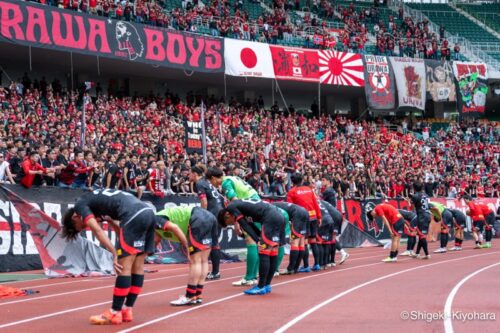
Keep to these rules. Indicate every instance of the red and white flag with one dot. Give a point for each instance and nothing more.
(249, 59)
(89, 85)
(341, 68)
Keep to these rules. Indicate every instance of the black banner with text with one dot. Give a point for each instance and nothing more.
(36, 25)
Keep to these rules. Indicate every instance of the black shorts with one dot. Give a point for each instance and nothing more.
(478, 226)
(284, 237)
(202, 231)
(413, 223)
(325, 233)
(219, 233)
(398, 227)
(337, 225)
(409, 229)
(447, 218)
(423, 221)
(298, 228)
(312, 229)
(490, 218)
(273, 230)
(460, 223)
(137, 234)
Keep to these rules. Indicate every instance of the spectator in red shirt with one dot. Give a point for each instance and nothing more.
(398, 188)
(73, 169)
(30, 168)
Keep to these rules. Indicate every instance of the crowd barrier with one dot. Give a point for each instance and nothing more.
(23, 228)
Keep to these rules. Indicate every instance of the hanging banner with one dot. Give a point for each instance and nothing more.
(248, 59)
(341, 68)
(36, 25)
(58, 257)
(472, 87)
(295, 64)
(380, 87)
(194, 137)
(30, 233)
(440, 82)
(410, 81)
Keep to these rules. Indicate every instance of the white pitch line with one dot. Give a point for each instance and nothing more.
(175, 314)
(359, 286)
(49, 315)
(97, 288)
(448, 323)
(108, 286)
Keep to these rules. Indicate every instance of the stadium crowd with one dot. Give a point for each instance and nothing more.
(399, 36)
(137, 143)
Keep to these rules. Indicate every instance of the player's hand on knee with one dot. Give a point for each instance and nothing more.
(118, 267)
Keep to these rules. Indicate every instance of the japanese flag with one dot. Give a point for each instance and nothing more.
(248, 59)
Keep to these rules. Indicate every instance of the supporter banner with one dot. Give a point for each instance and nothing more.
(295, 64)
(380, 88)
(410, 81)
(440, 83)
(250, 59)
(194, 137)
(59, 258)
(30, 24)
(18, 222)
(472, 87)
(341, 68)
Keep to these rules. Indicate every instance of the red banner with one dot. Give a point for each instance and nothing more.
(295, 64)
(35, 25)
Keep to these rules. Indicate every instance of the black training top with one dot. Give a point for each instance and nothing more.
(106, 202)
(458, 215)
(334, 213)
(326, 218)
(330, 196)
(259, 211)
(421, 202)
(407, 215)
(295, 212)
(215, 201)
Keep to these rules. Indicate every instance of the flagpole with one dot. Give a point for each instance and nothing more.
(319, 99)
(84, 124)
(203, 133)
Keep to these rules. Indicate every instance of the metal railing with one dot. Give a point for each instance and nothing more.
(488, 47)
(470, 50)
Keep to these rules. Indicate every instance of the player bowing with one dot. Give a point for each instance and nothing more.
(444, 217)
(299, 218)
(334, 246)
(394, 222)
(410, 230)
(460, 220)
(268, 238)
(211, 200)
(135, 223)
(199, 234)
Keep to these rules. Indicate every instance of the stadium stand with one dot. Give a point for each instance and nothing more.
(299, 24)
(454, 22)
(459, 157)
(488, 13)
(364, 158)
